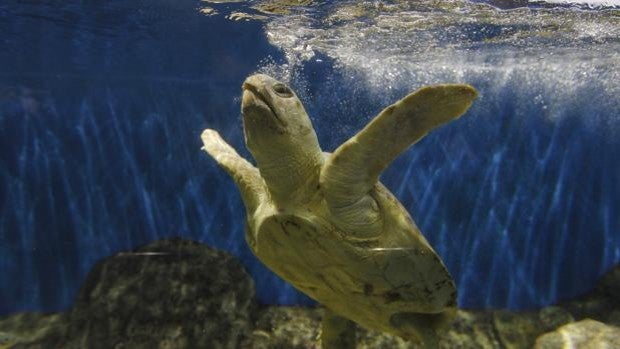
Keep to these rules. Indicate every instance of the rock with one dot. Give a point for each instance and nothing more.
(282, 327)
(554, 317)
(181, 294)
(585, 334)
(367, 339)
(516, 329)
(23, 330)
(299, 328)
(170, 294)
(287, 327)
(609, 285)
(471, 330)
(602, 303)
(614, 318)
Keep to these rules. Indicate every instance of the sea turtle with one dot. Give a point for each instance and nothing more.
(324, 223)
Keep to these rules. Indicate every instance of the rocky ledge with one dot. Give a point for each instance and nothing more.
(176, 293)
(169, 294)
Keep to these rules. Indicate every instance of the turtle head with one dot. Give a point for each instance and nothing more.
(279, 134)
(273, 116)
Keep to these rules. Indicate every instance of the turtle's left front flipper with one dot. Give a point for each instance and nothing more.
(245, 175)
(354, 168)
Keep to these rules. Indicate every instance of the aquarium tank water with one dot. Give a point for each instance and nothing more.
(102, 105)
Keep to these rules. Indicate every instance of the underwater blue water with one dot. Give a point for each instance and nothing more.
(102, 105)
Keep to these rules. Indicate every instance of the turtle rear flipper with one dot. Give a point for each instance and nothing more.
(337, 332)
(423, 328)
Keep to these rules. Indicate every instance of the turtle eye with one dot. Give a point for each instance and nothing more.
(282, 90)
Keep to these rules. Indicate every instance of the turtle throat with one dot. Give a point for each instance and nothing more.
(291, 178)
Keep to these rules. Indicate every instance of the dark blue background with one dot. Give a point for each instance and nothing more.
(101, 108)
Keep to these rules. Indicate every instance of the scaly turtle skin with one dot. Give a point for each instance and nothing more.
(325, 224)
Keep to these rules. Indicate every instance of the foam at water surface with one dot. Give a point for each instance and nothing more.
(590, 3)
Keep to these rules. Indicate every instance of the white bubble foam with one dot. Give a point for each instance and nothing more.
(589, 3)
(565, 56)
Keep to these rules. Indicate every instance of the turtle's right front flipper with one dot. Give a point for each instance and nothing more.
(245, 175)
(354, 168)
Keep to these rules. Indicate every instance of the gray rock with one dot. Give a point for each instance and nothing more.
(609, 285)
(471, 330)
(30, 330)
(181, 294)
(21, 324)
(170, 294)
(553, 317)
(299, 328)
(287, 328)
(602, 303)
(516, 329)
(585, 334)
(614, 318)
(282, 327)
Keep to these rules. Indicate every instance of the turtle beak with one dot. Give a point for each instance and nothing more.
(253, 101)
(248, 97)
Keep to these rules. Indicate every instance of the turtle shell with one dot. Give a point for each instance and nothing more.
(377, 282)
